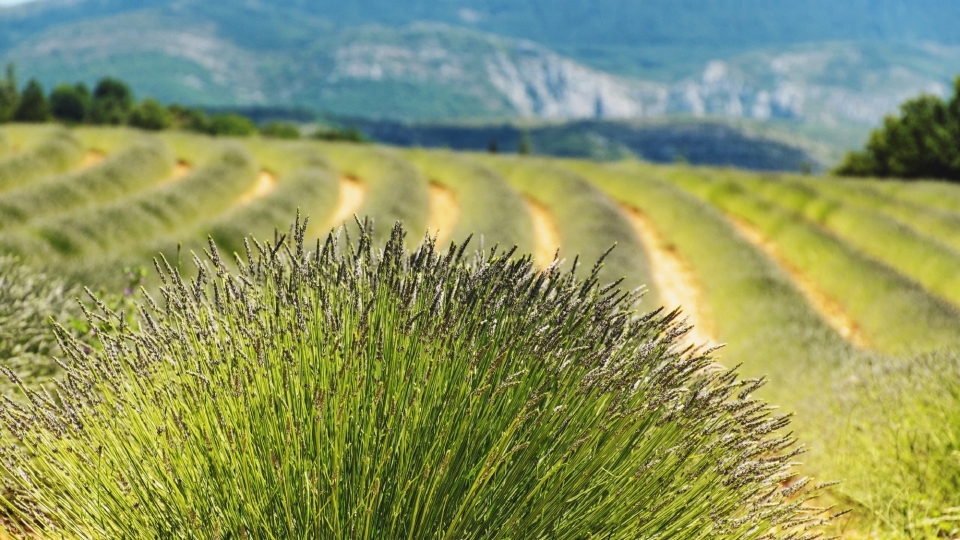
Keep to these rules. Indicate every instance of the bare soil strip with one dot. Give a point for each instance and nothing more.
(444, 213)
(265, 184)
(545, 231)
(828, 307)
(352, 195)
(180, 170)
(676, 282)
(90, 159)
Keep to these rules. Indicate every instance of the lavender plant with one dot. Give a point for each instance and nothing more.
(354, 392)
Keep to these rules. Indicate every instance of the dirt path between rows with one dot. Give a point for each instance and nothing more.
(828, 307)
(545, 231)
(180, 171)
(91, 158)
(444, 213)
(266, 183)
(352, 194)
(675, 281)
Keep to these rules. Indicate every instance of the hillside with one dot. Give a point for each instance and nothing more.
(842, 69)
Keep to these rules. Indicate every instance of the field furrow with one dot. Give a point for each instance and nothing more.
(589, 222)
(444, 213)
(489, 208)
(395, 190)
(352, 193)
(91, 158)
(133, 169)
(677, 284)
(58, 152)
(266, 183)
(137, 220)
(895, 314)
(545, 232)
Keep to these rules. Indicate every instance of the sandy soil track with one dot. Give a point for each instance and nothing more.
(265, 184)
(352, 195)
(91, 158)
(828, 307)
(545, 231)
(675, 281)
(444, 213)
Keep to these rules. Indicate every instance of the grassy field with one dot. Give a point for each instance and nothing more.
(843, 295)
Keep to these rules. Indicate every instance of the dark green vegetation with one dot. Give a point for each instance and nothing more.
(919, 143)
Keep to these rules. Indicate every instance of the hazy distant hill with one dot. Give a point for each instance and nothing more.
(805, 62)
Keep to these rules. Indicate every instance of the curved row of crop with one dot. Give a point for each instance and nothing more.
(52, 155)
(395, 190)
(896, 314)
(590, 223)
(133, 169)
(133, 221)
(490, 208)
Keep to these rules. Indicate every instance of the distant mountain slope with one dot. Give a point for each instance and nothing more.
(806, 62)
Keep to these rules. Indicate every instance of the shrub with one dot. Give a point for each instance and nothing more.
(231, 125)
(70, 103)
(919, 143)
(345, 135)
(112, 102)
(33, 106)
(150, 114)
(354, 393)
(281, 130)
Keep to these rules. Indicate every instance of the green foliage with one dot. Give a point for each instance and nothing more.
(919, 143)
(33, 105)
(490, 208)
(231, 125)
(526, 146)
(112, 102)
(9, 95)
(281, 130)
(52, 155)
(354, 393)
(135, 168)
(189, 119)
(71, 103)
(151, 115)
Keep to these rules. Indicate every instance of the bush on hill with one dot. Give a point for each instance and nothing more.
(362, 393)
(231, 125)
(112, 102)
(150, 114)
(281, 130)
(70, 103)
(33, 106)
(922, 142)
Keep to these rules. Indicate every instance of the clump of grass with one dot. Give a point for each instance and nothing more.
(354, 393)
(896, 444)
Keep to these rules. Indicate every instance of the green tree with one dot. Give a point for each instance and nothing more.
(921, 142)
(33, 106)
(9, 96)
(70, 103)
(112, 102)
(150, 114)
(232, 125)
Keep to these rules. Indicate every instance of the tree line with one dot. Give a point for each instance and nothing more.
(112, 103)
